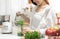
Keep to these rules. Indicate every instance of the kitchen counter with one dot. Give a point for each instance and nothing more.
(13, 35)
(8, 36)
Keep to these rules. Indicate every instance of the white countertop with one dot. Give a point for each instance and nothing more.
(13, 35)
(8, 36)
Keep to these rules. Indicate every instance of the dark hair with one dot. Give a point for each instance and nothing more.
(46, 1)
(36, 4)
(33, 2)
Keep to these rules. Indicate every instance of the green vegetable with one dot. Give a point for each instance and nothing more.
(32, 35)
(21, 23)
(20, 34)
(28, 35)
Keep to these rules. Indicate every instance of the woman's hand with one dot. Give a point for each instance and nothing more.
(19, 13)
(26, 19)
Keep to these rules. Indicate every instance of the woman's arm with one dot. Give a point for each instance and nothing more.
(26, 18)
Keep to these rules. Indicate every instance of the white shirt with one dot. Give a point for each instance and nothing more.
(39, 21)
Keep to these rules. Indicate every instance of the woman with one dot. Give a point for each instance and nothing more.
(42, 16)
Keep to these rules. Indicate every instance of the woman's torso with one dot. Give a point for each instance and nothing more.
(37, 18)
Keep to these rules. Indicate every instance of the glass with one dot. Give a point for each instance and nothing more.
(7, 18)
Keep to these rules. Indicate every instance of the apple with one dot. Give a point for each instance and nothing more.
(51, 32)
(58, 32)
(56, 28)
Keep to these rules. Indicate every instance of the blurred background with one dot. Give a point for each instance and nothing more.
(10, 7)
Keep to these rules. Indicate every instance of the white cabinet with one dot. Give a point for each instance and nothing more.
(2, 7)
